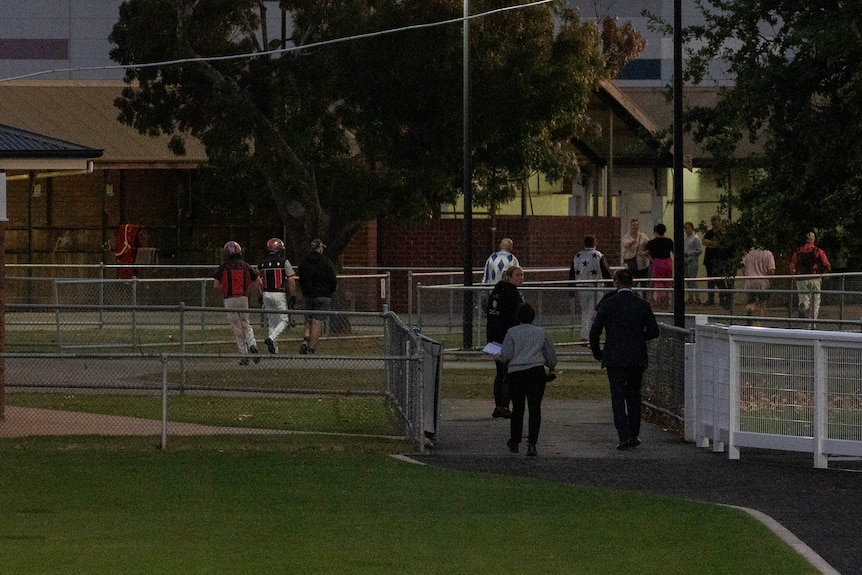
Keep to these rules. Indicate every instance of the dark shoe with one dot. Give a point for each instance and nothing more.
(497, 413)
(243, 361)
(506, 413)
(310, 350)
(623, 445)
(269, 345)
(303, 349)
(513, 445)
(253, 351)
(634, 441)
(531, 450)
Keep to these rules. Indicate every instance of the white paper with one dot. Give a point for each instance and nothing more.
(492, 348)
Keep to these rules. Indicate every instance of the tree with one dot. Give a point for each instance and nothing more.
(796, 68)
(343, 133)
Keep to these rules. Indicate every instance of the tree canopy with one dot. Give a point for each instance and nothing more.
(341, 132)
(796, 68)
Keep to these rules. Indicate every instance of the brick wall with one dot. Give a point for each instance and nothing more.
(540, 241)
(75, 222)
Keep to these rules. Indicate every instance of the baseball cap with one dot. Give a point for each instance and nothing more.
(317, 243)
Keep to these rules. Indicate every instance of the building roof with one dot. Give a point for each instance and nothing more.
(656, 104)
(17, 143)
(84, 112)
(636, 124)
(28, 151)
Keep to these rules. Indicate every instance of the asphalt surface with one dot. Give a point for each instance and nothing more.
(820, 507)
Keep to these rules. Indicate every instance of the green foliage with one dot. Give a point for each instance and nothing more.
(798, 82)
(343, 133)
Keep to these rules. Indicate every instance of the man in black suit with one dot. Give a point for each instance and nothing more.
(629, 322)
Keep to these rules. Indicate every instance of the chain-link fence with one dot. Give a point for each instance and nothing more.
(189, 285)
(664, 379)
(559, 307)
(370, 384)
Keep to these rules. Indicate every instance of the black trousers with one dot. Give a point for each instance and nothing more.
(526, 387)
(626, 400)
(714, 269)
(501, 389)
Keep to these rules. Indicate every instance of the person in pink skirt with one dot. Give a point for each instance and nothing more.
(660, 251)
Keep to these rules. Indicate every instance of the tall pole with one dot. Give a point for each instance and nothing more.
(678, 212)
(3, 298)
(467, 190)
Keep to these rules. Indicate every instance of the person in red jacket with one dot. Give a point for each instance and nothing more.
(278, 278)
(235, 279)
(810, 262)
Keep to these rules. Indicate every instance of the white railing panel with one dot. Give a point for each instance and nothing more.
(782, 389)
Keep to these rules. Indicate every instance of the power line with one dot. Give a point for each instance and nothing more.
(279, 50)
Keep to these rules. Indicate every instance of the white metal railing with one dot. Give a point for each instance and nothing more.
(781, 389)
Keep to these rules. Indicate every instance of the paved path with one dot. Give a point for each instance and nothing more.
(24, 421)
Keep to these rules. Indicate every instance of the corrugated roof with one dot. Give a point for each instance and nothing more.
(84, 112)
(17, 143)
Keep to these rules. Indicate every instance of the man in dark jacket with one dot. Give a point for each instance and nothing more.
(502, 309)
(629, 322)
(318, 282)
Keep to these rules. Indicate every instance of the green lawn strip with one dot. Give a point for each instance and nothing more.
(341, 414)
(344, 413)
(208, 511)
(346, 377)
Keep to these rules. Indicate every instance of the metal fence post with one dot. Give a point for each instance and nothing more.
(203, 309)
(387, 286)
(410, 297)
(182, 347)
(135, 342)
(57, 314)
(419, 305)
(101, 294)
(164, 401)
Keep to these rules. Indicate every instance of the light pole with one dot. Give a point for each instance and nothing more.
(678, 212)
(467, 190)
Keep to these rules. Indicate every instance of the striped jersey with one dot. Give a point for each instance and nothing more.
(235, 277)
(274, 273)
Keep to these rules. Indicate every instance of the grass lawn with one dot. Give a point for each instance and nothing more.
(314, 412)
(253, 507)
(333, 504)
